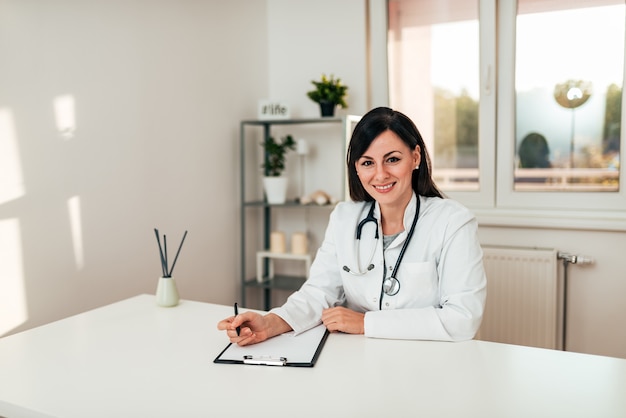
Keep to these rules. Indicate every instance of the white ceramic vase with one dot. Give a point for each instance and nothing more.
(275, 189)
(167, 293)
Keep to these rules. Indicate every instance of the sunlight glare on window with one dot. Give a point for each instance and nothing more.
(13, 309)
(11, 182)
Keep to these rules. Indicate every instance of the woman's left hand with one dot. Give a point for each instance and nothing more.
(344, 320)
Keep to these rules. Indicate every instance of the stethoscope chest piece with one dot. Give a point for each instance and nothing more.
(391, 286)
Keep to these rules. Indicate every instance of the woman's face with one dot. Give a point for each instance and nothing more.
(386, 167)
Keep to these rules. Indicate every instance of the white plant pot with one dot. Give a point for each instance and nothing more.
(275, 189)
(167, 292)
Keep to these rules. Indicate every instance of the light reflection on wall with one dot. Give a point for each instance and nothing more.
(65, 115)
(73, 207)
(13, 309)
(11, 181)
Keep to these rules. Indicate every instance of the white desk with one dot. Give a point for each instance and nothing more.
(134, 359)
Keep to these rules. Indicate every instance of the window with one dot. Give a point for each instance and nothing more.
(554, 140)
(568, 88)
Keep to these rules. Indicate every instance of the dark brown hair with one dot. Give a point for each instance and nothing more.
(371, 125)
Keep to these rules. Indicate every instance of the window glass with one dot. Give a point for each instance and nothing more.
(569, 66)
(433, 48)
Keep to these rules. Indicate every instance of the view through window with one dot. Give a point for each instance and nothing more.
(568, 83)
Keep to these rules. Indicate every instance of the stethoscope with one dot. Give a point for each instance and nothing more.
(391, 284)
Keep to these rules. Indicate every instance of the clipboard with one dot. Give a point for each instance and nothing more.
(287, 349)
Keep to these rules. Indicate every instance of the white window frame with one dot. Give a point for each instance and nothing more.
(484, 198)
(507, 198)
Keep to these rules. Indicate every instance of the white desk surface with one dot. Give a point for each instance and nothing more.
(135, 359)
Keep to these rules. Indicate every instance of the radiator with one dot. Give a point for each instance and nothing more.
(524, 301)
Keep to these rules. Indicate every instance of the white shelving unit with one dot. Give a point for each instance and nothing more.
(256, 214)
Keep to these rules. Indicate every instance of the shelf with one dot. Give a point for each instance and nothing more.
(288, 204)
(269, 256)
(260, 214)
(284, 256)
(262, 122)
(278, 282)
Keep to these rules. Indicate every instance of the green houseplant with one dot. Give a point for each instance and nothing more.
(329, 92)
(274, 184)
(275, 152)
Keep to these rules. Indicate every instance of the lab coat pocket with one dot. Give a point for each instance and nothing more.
(419, 284)
(362, 290)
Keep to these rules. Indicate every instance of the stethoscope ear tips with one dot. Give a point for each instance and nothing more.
(369, 268)
(346, 269)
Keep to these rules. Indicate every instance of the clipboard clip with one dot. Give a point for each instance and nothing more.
(265, 360)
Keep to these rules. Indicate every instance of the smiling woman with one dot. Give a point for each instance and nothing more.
(424, 277)
(386, 172)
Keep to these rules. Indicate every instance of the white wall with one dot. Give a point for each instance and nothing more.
(308, 38)
(159, 87)
(595, 293)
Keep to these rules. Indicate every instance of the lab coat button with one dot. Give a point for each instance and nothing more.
(387, 304)
(374, 300)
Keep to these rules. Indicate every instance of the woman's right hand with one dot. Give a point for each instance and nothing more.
(254, 327)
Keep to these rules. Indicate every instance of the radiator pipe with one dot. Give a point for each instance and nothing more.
(567, 260)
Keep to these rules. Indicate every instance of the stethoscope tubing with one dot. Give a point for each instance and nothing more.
(359, 230)
(391, 285)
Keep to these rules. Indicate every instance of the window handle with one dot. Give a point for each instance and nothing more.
(488, 81)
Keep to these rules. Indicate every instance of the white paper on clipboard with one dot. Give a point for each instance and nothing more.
(297, 350)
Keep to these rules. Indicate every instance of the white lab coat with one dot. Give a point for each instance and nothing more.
(443, 283)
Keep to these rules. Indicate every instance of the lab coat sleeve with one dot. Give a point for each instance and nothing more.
(462, 291)
(323, 288)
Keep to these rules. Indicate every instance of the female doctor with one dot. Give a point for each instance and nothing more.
(399, 261)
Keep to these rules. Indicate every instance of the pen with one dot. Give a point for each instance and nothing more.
(237, 313)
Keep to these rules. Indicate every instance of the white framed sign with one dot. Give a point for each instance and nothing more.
(273, 109)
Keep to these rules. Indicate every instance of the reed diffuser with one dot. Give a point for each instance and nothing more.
(167, 293)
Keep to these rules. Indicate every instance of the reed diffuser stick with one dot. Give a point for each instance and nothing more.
(178, 252)
(163, 253)
(167, 273)
(163, 264)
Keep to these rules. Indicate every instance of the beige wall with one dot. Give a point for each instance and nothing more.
(159, 88)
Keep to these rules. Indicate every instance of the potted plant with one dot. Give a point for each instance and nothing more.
(274, 184)
(329, 92)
